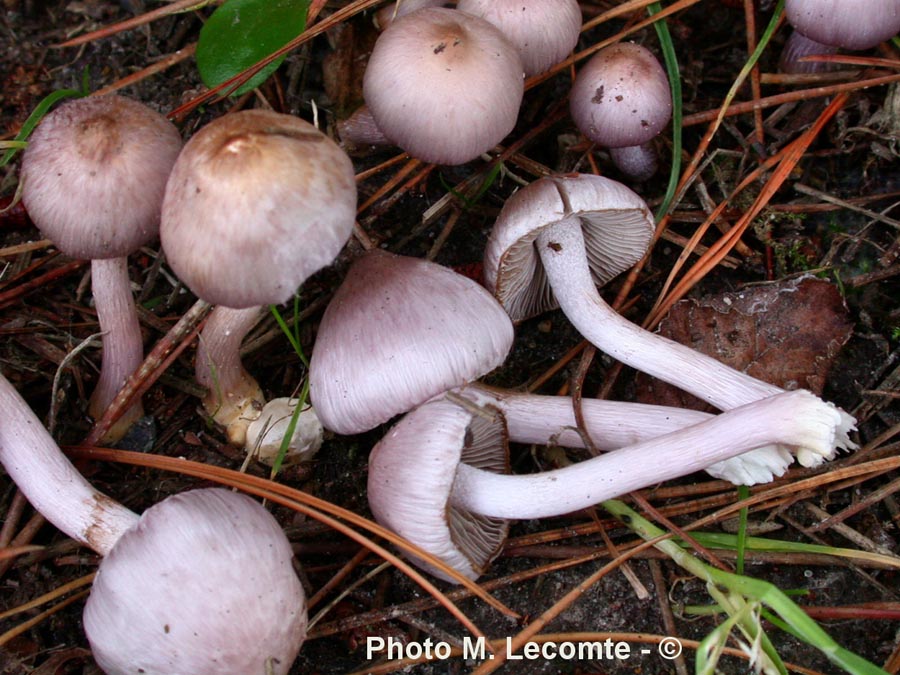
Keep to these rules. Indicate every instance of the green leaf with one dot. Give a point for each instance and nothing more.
(240, 33)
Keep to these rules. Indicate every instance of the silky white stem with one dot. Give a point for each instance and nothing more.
(51, 483)
(561, 247)
(123, 347)
(609, 425)
(791, 418)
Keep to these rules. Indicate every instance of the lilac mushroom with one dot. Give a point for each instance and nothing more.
(552, 246)
(439, 477)
(256, 203)
(443, 85)
(621, 100)
(93, 177)
(200, 583)
(828, 25)
(398, 331)
(545, 33)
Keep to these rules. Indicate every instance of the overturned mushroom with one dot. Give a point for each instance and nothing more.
(558, 238)
(439, 479)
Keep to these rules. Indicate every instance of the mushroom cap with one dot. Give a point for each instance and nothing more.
(616, 223)
(444, 85)
(544, 32)
(256, 203)
(266, 433)
(850, 24)
(94, 173)
(203, 584)
(621, 96)
(411, 472)
(398, 331)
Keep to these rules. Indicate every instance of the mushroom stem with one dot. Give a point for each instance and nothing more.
(561, 248)
(610, 425)
(790, 418)
(797, 47)
(638, 162)
(122, 345)
(234, 398)
(51, 483)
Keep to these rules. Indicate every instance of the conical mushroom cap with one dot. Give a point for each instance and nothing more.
(202, 585)
(256, 203)
(94, 173)
(398, 331)
(617, 228)
(411, 475)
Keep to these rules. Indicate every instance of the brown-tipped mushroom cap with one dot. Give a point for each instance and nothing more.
(398, 331)
(544, 32)
(850, 24)
(444, 85)
(257, 202)
(411, 474)
(94, 173)
(616, 223)
(621, 97)
(158, 607)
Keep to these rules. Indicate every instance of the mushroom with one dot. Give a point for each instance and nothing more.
(443, 85)
(266, 433)
(93, 177)
(398, 331)
(393, 10)
(829, 25)
(268, 199)
(621, 100)
(438, 477)
(558, 238)
(545, 33)
(200, 583)
(609, 425)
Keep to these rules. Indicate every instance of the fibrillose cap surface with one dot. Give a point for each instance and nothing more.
(398, 331)
(545, 33)
(621, 97)
(202, 584)
(94, 173)
(851, 24)
(256, 203)
(444, 85)
(411, 474)
(617, 228)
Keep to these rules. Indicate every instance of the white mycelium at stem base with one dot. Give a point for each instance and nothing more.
(438, 477)
(200, 583)
(550, 246)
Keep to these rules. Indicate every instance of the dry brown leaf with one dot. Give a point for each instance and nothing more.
(786, 333)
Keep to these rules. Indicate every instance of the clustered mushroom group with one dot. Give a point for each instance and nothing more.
(270, 200)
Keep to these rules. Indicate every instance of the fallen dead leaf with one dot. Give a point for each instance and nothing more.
(786, 333)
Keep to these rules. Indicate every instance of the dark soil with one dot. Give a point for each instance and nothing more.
(854, 157)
